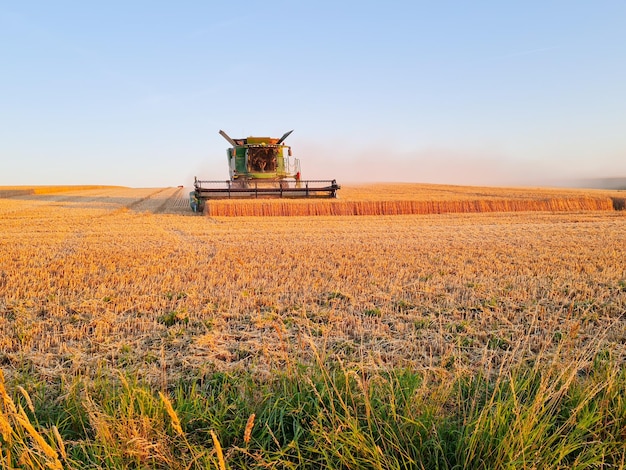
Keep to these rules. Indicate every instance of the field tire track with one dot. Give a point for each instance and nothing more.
(133, 205)
(169, 202)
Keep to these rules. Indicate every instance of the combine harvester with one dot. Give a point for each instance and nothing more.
(260, 167)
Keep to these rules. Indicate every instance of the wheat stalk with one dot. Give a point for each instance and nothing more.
(172, 414)
(248, 430)
(218, 450)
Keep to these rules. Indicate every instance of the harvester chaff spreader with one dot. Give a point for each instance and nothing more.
(260, 167)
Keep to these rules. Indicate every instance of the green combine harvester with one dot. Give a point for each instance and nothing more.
(260, 167)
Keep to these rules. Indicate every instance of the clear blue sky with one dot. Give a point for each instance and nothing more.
(483, 92)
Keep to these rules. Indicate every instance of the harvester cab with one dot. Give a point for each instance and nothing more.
(260, 167)
(261, 158)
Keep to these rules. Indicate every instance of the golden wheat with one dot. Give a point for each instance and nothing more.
(218, 451)
(172, 414)
(414, 199)
(129, 279)
(316, 207)
(247, 433)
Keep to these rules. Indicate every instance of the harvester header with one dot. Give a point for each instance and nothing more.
(260, 167)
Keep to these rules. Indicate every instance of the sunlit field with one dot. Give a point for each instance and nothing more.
(420, 199)
(487, 331)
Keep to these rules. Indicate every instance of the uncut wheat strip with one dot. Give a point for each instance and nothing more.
(437, 192)
(242, 208)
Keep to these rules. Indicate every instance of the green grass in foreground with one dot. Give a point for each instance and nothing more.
(529, 416)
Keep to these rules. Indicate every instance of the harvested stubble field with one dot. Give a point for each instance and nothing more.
(119, 292)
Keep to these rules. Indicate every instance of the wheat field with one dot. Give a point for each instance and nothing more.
(103, 281)
(414, 199)
(105, 277)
